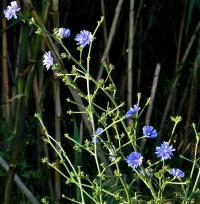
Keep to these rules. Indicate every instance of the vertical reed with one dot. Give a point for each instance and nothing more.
(4, 64)
(130, 55)
(57, 107)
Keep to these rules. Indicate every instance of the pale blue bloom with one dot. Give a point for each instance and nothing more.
(164, 151)
(95, 139)
(84, 38)
(11, 10)
(64, 32)
(98, 131)
(48, 60)
(177, 173)
(149, 131)
(134, 159)
(132, 111)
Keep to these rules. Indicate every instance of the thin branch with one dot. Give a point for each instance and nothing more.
(180, 37)
(130, 53)
(110, 37)
(153, 93)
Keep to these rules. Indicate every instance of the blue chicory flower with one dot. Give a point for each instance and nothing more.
(177, 173)
(48, 60)
(134, 159)
(63, 32)
(98, 131)
(149, 131)
(11, 10)
(132, 111)
(95, 139)
(164, 151)
(84, 38)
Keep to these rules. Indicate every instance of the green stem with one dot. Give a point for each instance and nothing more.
(80, 57)
(87, 76)
(194, 187)
(193, 167)
(124, 184)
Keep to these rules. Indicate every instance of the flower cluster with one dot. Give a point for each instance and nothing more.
(83, 38)
(163, 152)
(11, 10)
(148, 130)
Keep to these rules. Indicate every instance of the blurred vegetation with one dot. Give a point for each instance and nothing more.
(133, 40)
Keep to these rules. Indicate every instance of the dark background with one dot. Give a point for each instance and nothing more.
(164, 32)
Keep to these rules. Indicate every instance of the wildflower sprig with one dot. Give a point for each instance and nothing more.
(135, 159)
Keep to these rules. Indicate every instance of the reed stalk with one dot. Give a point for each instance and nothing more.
(130, 55)
(5, 77)
(150, 107)
(57, 107)
(18, 128)
(110, 37)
